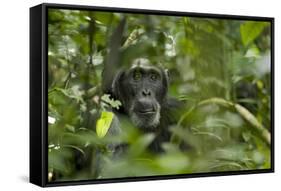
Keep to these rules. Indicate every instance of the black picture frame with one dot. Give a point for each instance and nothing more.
(39, 97)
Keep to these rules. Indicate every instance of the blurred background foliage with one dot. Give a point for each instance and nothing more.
(219, 69)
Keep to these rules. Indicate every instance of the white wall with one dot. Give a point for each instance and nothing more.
(14, 78)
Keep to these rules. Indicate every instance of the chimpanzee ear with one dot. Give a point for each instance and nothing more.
(116, 85)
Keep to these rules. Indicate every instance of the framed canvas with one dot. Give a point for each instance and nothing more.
(127, 94)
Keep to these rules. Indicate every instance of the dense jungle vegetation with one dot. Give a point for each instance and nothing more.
(219, 69)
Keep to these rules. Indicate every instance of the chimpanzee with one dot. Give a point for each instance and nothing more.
(142, 90)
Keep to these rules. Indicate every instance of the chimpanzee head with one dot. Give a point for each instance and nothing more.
(142, 89)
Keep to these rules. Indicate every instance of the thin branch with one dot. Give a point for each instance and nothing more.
(244, 113)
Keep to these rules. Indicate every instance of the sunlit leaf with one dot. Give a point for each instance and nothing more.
(103, 123)
(51, 120)
(250, 30)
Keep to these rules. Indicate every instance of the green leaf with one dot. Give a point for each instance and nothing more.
(172, 163)
(57, 158)
(246, 135)
(113, 103)
(253, 52)
(103, 123)
(133, 37)
(250, 30)
(70, 128)
(140, 144)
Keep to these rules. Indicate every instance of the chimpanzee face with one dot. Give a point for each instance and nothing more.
(142, 89)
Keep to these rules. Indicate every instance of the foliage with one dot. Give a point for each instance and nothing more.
(219, 69)
(103, 123)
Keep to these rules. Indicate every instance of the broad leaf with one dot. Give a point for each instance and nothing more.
(250, 30)
(103, 123)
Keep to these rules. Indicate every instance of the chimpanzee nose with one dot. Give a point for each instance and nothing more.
(146, 92)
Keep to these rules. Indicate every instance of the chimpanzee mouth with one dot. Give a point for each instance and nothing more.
(147, 111)
(145, 117)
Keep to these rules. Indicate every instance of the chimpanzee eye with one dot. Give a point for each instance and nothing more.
(153, 76)
(137, 75)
